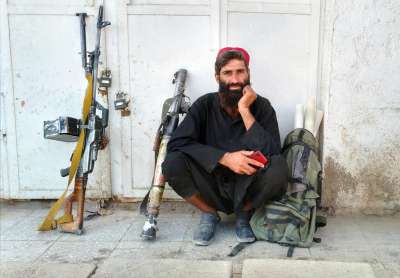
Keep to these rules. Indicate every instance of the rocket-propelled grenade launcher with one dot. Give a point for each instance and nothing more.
(173, 108)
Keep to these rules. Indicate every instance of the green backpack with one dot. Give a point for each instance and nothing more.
(292, 221)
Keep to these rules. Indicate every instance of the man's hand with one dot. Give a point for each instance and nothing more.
(249, 96)
(240, 163)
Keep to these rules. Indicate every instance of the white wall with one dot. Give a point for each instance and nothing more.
(361, 86)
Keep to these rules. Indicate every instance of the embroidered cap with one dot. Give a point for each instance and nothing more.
(239, 49)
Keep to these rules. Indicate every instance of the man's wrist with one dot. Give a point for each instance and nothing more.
(247, 117)
(223, 159)
(244, 110)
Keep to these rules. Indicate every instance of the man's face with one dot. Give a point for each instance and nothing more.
(232, 78)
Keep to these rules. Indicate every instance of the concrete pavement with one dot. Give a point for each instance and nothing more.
(111, 247)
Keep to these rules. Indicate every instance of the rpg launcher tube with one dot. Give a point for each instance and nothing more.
(153, 208)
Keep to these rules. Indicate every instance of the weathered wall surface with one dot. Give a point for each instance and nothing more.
(362, 124)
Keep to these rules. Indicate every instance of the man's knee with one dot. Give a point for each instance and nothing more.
(178, 174)
(174, 165)
(278, 170)
(271, 183)
(274, 179)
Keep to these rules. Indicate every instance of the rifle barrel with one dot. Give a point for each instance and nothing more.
(100, 17)
(92, 138)
(83, 39)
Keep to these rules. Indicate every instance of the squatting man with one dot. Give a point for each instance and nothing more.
(208, 161)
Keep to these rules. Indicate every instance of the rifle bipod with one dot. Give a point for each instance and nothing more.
(75, 226)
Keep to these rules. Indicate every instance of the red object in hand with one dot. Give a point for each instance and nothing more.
(259, 157)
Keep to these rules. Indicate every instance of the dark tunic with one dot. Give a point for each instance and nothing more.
(205, 135)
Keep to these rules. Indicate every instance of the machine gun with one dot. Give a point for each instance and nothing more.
(173, 108)
(89, 131)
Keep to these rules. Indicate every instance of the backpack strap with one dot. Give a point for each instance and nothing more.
(238, 247)
(290, 218)
(301, 134)
(290, 251)
(270, 235)
(297, 142)
(305, 156)
(319, 189)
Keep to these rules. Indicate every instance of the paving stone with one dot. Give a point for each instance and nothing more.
(13, 214)
(45, 270)
(10, 218)
(371, 239)
(164, 268)
(23, 251)
(388, 254)
(139, 250)
(237, 268)
(78, 252)
(391, 249)
(215, 251)
(172, 227)
(342, 229)
(26, 229)
(391, 269)
(254, 268)
(385, 271)
(265, 249)
(103, 228)
(353, 252)
(343, 239)
(383, 223)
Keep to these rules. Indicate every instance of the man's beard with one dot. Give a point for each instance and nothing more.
(230, 98)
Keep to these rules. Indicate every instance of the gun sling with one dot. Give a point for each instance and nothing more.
(49, 223)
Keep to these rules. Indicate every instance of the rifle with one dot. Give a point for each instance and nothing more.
(173, 108)
(89, 131)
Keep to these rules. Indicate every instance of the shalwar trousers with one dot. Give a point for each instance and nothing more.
(223, 189)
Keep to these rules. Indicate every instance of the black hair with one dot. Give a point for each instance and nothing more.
(225, 57)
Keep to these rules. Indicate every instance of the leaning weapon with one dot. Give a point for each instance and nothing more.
(173, 109)
(89, 132)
